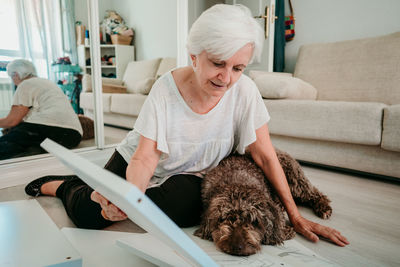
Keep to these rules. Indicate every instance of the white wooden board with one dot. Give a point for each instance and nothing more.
(28, 237)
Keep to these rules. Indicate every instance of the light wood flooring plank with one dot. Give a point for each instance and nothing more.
(366, 211)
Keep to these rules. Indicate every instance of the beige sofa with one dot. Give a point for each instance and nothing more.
(349, 114)
(121, 109)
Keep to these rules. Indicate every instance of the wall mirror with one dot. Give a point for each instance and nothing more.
(155, 37)
(42, 32)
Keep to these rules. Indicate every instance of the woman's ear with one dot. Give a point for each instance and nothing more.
(15, 78)
(193, 58)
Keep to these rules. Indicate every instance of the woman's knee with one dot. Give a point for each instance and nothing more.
(180, 199)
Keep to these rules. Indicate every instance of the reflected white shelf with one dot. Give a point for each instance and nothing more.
(123, 55)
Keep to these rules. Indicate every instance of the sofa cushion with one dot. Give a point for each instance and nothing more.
(166, 64)
(129, 104)
(138, 71)
(391, 128)
(273, 85)
(86, 101)
(144, 86)
(348, 122)
(365, 70)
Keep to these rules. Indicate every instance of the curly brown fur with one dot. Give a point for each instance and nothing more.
(241, 209)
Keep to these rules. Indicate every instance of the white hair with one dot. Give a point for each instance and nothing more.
(224, 29)
(24, 68)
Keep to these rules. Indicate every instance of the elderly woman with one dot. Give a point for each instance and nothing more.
(40, 110)
(193, 118)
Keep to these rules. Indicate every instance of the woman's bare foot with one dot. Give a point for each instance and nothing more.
(50, 188)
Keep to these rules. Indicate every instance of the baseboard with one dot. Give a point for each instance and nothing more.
(368, 175)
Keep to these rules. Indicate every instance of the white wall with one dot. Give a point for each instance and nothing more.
(196, 7)
(81, 10)
(154, 22)
(81, 13)
(328, 21)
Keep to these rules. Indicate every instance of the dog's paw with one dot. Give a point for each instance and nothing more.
(327, 214)
(198, 232)
(323, 211)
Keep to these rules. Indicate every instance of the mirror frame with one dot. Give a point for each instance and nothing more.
(93, 12)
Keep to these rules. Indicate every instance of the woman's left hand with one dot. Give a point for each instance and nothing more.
(312, 230)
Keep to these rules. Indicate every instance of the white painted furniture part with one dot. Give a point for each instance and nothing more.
(123, 55)
(28, 237)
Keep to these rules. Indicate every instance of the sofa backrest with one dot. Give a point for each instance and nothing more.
(166, 64)
(365, 70)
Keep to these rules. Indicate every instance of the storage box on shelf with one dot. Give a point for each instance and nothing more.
(122, 55)
(121, 39)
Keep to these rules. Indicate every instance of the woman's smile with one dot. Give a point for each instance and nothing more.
(218, 85)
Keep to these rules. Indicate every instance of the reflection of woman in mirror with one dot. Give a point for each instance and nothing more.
(193, 118)
(40, 110)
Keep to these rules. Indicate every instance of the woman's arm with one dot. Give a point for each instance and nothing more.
(14, 117)
(265, 157)
(143, 163)
(139, 172)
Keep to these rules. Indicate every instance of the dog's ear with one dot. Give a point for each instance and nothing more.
(259, 217)
(205, 230)
(275, 226)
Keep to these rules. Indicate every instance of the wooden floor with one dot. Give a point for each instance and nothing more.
(366, 211)
(112, 135)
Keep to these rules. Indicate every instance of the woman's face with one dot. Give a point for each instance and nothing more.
(15, 78)
(215, 76)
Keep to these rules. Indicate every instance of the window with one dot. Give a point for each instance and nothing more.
(10, 43)
(31, 29)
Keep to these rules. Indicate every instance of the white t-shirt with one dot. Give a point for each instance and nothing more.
(190, 142)
(49, 105)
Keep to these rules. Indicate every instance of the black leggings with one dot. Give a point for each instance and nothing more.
(179, 198)
(25, 138)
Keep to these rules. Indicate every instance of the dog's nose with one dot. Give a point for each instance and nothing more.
(238, 248)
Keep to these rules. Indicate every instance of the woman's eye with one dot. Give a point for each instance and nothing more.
(218, 64)
(238, 69)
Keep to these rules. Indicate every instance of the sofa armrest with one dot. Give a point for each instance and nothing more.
(277, 85)
(391, 128)
(87, 82)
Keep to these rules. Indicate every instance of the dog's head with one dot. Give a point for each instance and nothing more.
(240, 224)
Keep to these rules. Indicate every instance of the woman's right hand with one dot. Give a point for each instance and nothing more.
(109, 210)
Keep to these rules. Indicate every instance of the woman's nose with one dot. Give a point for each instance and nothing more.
(224, 75)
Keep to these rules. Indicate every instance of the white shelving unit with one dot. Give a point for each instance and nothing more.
(123, 55)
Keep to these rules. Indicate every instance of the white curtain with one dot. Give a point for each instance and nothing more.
(40, 32)
(47, 29)
(68, 26)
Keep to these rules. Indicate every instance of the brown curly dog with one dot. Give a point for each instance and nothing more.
(242, 210)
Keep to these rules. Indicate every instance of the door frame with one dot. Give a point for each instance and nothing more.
(182, 33)
(182, 24)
